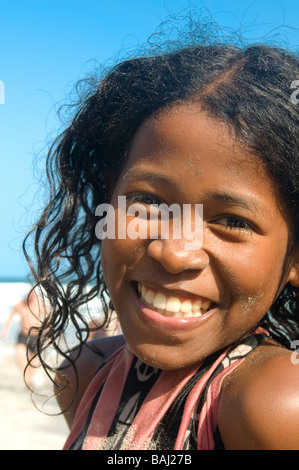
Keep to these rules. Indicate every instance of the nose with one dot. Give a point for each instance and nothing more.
(175, 258)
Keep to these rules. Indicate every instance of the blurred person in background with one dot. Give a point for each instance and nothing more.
(30, 310)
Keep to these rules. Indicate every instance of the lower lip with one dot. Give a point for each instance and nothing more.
(157, 320)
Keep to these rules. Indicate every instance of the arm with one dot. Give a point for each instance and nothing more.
(259, 407)
(87, 364)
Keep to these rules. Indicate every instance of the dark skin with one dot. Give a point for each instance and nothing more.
(93, 355)
(259, 406)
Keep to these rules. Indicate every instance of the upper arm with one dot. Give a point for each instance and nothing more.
(71, 382)
(259, 410)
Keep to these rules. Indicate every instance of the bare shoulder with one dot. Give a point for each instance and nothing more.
(69, 390)
(259, 405)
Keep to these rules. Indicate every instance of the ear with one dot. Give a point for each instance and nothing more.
(293, 277)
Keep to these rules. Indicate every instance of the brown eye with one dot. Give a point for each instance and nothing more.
(232, 223)
(144, 198)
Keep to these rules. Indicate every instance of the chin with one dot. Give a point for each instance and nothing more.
(164, 357)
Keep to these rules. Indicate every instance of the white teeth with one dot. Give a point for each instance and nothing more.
(186, 306)
(160, 301)
(197, 306)
(198, 314)
(143, 291)
(172, 306)
(149, 296)
(206, 305)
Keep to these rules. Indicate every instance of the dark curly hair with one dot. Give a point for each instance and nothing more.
(248, 88)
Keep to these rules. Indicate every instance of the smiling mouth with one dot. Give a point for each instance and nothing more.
(172, 306)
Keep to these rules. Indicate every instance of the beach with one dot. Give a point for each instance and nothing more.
(22, 426)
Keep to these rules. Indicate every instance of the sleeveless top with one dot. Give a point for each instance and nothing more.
(132, 406)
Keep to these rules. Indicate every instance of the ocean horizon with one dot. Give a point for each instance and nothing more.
(13, 279)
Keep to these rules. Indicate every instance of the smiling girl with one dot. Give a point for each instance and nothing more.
(204, 359)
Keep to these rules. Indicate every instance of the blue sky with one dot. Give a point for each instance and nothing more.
(47, 45)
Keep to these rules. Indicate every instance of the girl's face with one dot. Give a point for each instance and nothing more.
(177, 306)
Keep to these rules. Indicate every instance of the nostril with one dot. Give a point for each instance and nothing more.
(175, 259)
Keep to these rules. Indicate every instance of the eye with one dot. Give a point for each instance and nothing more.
(144, 198)
(233, 223)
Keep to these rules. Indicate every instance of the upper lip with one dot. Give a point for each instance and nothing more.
(173, 292)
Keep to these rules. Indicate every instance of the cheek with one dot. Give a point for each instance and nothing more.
(112, 265)
(254, 278)
(119, 250)
(254, 306)
(118, 258)
(112, 270)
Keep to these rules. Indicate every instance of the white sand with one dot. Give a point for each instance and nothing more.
(22, 426)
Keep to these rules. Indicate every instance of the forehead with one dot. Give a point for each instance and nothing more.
(184, 142)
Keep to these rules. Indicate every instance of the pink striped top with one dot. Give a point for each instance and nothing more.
(132, 406)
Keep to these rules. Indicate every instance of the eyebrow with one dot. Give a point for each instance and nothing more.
(247, 203)
(230, 199)
(152, 178)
